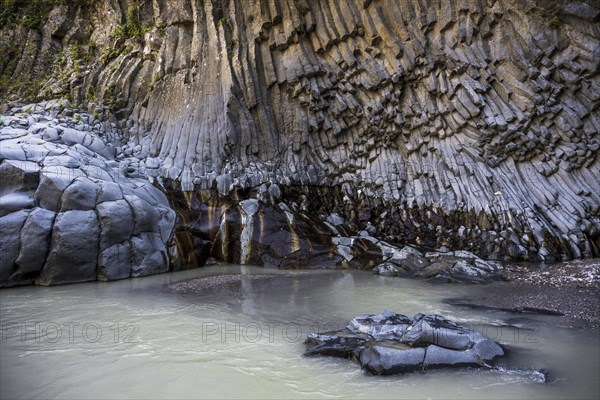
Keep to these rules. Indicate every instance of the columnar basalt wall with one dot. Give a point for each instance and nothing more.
(458, 124)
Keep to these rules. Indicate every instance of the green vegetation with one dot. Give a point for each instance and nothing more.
(132, 27)
(32, 13)
(62, 59)
(90, 95)
(110, 54)
(1, 122)
(162, 29)
(554, 22)
(225, 21)
(302, 7)
(109, 96)
(83, 52)
(28, 89)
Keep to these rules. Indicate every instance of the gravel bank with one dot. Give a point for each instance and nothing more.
(217, 282)
(571, 274)
(571, 288)
(580, 306)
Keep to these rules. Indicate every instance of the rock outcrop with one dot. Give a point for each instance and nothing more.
(468, 125)
(390, 343)
(68, 211)
(457, 266)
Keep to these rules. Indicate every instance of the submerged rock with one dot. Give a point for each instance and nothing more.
(390, 343)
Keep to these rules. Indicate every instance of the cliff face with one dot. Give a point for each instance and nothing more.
(464, 124)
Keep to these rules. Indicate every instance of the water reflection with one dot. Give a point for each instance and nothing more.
(161, 344)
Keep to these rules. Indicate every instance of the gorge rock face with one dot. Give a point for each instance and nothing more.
(68, 211)
(469, 125)
(390, 343)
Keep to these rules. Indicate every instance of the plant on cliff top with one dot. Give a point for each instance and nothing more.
(554, 22)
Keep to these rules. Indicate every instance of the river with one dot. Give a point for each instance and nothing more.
(139, 339)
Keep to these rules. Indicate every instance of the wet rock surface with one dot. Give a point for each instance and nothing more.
(390, 343)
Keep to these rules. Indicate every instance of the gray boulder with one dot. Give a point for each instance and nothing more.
(53, 182)
(148, 255)
(145, 216)
(18, 176)
(74, 249)
(35, 240)
(390, 343)
(460, 266)
(115, 262)
(15, 201)
(116, 222)
(387, 360)
(85, 211)
(10, 227)
(387, 269)
(440, 357)
(80, 195)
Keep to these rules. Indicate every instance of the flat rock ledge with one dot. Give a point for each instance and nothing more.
(390, 343)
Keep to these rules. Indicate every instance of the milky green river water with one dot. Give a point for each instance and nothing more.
(137, 339)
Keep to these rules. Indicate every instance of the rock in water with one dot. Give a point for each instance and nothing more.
(390, 343)
(288, 133)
